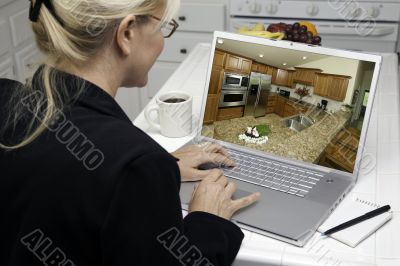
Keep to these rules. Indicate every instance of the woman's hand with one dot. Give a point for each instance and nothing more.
(214, 195)
(191, 157)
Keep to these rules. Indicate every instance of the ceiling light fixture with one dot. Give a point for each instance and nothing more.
(261, 55)
(304, 57)
(284, 64)
(220, 41)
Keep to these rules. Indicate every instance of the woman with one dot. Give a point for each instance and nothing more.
(80, 184)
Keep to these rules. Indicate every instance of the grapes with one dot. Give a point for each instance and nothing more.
(316, 40)
(299, 33)
(303, 28)
(303, 37)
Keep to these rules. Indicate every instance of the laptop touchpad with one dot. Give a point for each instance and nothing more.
(240, 194)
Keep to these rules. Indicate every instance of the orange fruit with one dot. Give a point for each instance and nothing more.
(310, 27)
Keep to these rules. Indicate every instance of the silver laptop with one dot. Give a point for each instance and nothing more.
(294, 117)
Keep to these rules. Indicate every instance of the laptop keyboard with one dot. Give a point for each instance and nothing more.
(273, 175)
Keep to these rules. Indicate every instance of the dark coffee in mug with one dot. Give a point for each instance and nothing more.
(174, 100)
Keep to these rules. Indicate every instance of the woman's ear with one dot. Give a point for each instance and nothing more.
(125, 35)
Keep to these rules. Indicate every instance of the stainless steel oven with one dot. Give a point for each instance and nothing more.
(232, 80)
(231, 98)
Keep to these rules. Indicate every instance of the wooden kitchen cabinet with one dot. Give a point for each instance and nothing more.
(233, 63)
(269, 70)
(342, 150)
(279, 105)
(236, 64)
(321, 85)
(290, 78)
(292, 108)
(271, 103)
(254, 67)
(305, 75)
(282, 77)
(211, 108)
(217, 72)
(261, 68)
(216, 79)
(258, 67)
(246, 66)
(332, 86)
(229, 113)
(289, 109)
(219, 59)
(338, 88)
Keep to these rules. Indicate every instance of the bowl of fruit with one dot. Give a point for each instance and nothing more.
(303, 32)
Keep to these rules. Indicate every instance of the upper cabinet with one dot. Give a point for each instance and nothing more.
(331, 86)
(219, 59)
(305, 76)
(269, 70)
(282, 77)
(262, 68)
(321, 85)
(257, 67)
(236, 63)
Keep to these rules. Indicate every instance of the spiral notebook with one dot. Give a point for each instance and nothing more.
(349, 209)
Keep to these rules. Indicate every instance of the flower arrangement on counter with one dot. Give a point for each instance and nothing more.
(256, 134)
(302, 92)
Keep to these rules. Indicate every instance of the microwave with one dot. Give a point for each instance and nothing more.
(235, 81)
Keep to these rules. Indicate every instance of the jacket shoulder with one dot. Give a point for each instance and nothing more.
(9, 83)
(7, 86)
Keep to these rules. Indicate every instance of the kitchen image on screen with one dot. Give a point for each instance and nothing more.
(300, 105)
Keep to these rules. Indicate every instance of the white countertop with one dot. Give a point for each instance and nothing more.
(381, 185)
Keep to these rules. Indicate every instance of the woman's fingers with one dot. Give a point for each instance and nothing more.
(230, 189)
(222, 180)
(215, 147)
(245, 201)
(197, 175)
(214, 175)
(221, 159)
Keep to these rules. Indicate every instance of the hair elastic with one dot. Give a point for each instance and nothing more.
(34, 10)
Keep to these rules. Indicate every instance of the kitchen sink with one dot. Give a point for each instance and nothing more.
(297, 123)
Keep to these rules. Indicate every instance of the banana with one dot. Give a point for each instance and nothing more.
(263, 34)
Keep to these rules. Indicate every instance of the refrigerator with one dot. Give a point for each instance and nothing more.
(257, 94)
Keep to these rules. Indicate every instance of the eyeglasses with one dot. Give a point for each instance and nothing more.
(167, 28)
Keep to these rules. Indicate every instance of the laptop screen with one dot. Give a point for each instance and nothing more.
(299, 105)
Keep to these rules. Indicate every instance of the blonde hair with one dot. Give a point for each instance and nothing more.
(78, 33)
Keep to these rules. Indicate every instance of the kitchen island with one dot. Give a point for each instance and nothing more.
(306, 145)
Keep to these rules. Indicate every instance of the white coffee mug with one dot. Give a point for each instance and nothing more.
(174, 111)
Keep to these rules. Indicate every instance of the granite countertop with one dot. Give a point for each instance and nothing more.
(306, 145)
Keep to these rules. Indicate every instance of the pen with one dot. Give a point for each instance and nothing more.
(357, 220)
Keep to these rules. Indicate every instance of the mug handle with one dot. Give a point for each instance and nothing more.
(147, 114)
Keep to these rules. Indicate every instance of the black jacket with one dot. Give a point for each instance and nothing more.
(96, 190)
